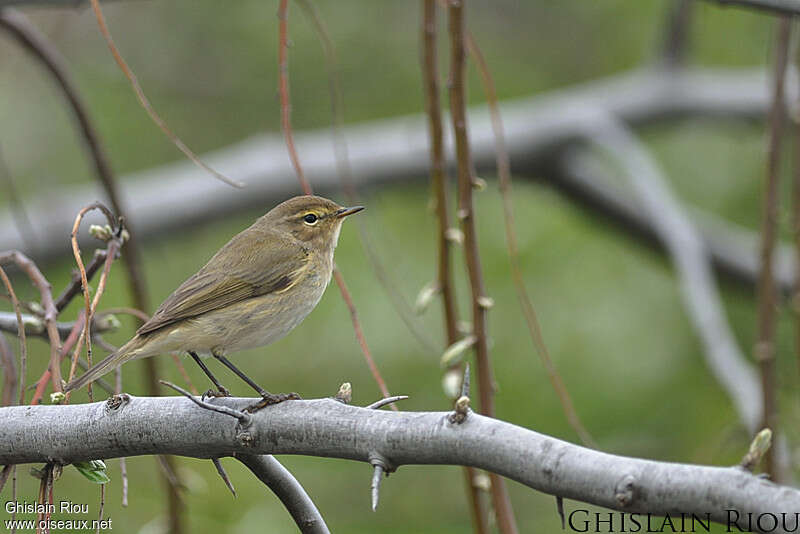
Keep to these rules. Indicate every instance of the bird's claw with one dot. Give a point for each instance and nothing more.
(269, 399)
(221, 392)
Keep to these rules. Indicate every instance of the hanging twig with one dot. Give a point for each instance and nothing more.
(676, 37)
(145, 103)
(10, 376)
(50, 313)
(23, 345)
(283, 89)
(438, 177)
(344, 173)
(765, 343)
(283, 83)
(114, 243)
(504, 175)
(466, 214)
(69, 342)
(796, 219)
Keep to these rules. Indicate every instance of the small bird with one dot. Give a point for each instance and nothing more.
(254, 291)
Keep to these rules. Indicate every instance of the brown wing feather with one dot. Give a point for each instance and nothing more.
(252, 264)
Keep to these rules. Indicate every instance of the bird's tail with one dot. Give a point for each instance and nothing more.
(128, 351)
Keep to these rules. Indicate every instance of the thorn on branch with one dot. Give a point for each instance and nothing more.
(465, 382)
(224, 475)
(380, 466)
(385, 401)
(758, 448)
(243, 417)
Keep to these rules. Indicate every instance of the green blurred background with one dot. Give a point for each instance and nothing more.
(610, 308)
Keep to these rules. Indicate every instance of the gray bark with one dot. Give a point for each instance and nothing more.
(327, 428)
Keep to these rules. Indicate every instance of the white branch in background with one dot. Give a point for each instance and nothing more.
(328, 428)
(394, 150)
(693, 264)
(784, 7)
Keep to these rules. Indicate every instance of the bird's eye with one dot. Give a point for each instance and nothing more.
(310, 218)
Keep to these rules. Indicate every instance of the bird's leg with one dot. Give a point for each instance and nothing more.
(267, 398)
(221, 391)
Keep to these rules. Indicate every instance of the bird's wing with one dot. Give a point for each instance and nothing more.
(259, 263)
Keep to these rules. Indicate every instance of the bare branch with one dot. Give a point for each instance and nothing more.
(10, 376)
(223, 475)
(23, 349)
(50, 312)
(328, 428)
(531, 319)
(288, 490)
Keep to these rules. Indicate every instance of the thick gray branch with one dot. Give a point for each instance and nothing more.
(327, 428)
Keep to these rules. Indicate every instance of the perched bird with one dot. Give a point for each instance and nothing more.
(254, 291)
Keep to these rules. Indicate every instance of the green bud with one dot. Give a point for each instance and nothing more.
(94, 470)
(455, 353)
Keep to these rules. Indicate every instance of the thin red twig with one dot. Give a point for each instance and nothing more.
(46, 300)
(398, 301)
(283, 77)
(504, 174)
(466, 213)
(23, 344)
(156, 118)
(10, 375)
(69, 342)
(91, 306)
(765, 344)
(430, 80)
(283, 89)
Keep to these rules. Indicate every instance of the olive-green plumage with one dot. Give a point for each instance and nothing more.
(256, 289)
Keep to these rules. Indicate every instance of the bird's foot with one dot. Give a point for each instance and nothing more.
(269, 399)
(222, 391)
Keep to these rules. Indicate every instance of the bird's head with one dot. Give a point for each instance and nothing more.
(311, 219)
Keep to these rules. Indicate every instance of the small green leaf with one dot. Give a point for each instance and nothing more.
(94, 470)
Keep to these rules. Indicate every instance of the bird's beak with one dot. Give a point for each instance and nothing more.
(344, 212)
